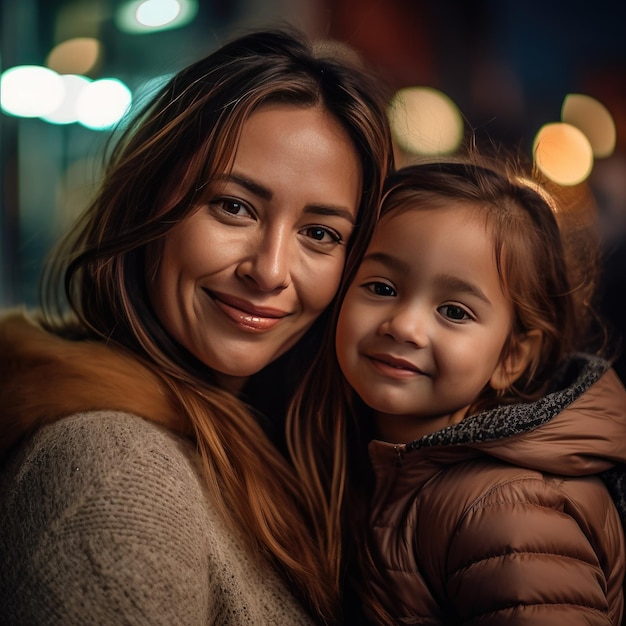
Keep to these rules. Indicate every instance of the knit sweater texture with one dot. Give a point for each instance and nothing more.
(105, 517)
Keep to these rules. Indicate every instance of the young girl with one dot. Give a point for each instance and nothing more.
(459, 336)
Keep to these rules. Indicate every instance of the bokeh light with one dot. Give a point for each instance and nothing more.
(67, 112)
(563, 153)
(75, 56)
(30, 90)
(156, 13)
(593, 119)
(425, 121)
(103, 103)
(145, 16)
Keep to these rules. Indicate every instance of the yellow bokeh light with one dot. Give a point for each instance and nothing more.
(563, 153)
(74, 56)
(593, 119)
(425, 121)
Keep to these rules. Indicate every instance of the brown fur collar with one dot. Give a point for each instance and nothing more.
(44, 377)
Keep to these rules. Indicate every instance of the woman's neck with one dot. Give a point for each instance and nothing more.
(234, 384)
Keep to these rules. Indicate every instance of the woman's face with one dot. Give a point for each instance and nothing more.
(243, 277)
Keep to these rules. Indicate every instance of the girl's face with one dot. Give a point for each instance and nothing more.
(242, 279)
(424, 323)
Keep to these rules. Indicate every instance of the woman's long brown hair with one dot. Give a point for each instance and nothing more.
(155, 177)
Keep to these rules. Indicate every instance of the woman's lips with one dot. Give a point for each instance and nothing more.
(245, 314)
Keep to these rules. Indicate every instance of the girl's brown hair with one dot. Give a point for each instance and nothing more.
(165, 158)
(550, 285)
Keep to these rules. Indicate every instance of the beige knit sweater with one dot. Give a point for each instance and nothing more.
(104, 520)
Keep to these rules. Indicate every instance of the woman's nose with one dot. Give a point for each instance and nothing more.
(267, 265)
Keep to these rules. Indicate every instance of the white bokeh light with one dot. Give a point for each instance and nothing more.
(66, 112)
(30, 91)
(593, 119)
(146, 16)
(156, 13)
(103, 103)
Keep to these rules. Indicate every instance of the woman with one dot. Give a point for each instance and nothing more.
(196, 283)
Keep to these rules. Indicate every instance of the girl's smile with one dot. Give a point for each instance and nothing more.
(423, 325)
(394, 367)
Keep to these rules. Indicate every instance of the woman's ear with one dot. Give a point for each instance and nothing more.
(522, 351)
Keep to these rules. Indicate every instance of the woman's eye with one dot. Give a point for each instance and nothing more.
(381, 289)
(322, 234)
(232, 207)
(454, 312)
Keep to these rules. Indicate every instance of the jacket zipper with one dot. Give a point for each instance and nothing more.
(399, 450)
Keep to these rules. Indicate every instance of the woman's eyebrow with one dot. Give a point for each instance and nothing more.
(266, 193)
(330, 210)
(247, 183)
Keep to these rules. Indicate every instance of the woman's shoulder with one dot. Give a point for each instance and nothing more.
(103, 462)
(110, 515)
(82, 456)
(108, 433)
(77, 459)
(100, 441)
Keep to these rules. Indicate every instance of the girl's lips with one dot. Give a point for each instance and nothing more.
(392, 366)
(245, 314)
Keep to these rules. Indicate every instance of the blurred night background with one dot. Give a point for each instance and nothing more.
(506, 68)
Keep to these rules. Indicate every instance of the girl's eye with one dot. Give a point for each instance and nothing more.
(381, 289)
(454, 312)
(322, 234)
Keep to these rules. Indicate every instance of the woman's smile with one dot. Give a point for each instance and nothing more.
(245, 314)
(246, 274)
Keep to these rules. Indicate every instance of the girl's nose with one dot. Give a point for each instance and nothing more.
(406, 324)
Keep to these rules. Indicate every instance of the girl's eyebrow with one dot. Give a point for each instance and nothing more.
(447, 281)
(265, 193)
(387, 259)
(461, 285)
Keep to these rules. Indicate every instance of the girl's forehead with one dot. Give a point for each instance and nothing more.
(449, 209)
(412, 230)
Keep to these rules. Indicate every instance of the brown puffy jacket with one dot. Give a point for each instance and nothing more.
(504, 518)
